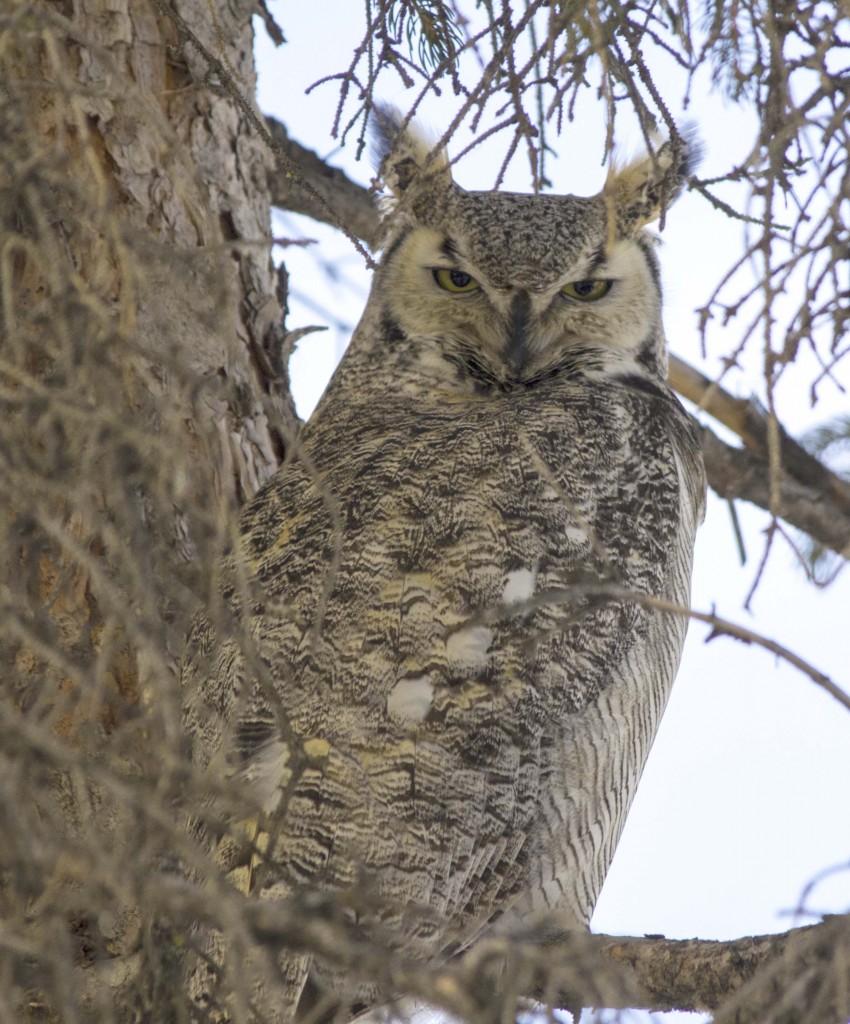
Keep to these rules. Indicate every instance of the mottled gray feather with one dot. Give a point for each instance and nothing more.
(416, 719)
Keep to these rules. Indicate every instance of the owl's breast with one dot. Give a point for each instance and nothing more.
(435, 536)
(433, 612)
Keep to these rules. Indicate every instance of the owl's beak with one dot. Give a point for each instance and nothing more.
(517, 348)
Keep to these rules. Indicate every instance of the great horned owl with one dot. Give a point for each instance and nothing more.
(431, 698)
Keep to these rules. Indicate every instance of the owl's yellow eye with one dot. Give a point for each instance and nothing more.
(456, 281)
(587, 291)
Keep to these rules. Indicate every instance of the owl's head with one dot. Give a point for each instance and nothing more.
(511, 288)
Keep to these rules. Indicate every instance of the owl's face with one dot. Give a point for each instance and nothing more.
(511, 288)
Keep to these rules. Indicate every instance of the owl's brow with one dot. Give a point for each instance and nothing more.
(596, 258)
(449, 248)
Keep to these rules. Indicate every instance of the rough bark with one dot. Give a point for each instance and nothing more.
(804, 492)
(758, 979)
(138, 408)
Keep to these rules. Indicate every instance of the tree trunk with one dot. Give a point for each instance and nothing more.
(141, 404)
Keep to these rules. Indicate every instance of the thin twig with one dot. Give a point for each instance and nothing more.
(614, 592)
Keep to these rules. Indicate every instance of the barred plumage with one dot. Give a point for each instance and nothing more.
(441, 703)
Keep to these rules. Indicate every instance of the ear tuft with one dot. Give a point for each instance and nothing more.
(643, 190)
(401, 152)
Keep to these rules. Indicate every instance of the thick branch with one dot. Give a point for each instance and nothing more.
(751, 423)
(801, 976)
(352, 203)
(795, 976)
(738, 473)
(812, 498)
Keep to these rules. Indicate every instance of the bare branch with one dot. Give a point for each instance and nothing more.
(750, 980)
(760, 978)
(736, 473)
(751, 423)
(352, 204)
(610, 590)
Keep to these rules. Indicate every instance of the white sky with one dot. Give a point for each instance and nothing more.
(744, 799)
